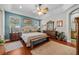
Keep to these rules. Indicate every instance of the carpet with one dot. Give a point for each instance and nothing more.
(53, 48)
(12, 46)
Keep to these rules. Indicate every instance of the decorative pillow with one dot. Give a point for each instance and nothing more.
(33, 29)
(26, 29)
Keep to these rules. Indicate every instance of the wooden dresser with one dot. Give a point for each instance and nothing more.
(51, 34)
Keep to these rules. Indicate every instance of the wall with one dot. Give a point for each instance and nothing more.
(35, 22)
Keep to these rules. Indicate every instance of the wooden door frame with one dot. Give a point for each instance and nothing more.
(77, 21)
(77, 40)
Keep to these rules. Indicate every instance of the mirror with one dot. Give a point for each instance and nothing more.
(50, 25)
(15, 25)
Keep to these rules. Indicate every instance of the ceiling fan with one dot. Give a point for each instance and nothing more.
(41, 9)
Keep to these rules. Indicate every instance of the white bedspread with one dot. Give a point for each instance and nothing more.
(25, 36)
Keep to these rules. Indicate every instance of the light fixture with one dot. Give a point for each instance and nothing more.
(41, 9)
(20, 6)
(40, 13)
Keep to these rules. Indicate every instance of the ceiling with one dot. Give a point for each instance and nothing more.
(30, 9)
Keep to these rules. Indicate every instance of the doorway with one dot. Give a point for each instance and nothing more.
(73, 25)
(74, 31)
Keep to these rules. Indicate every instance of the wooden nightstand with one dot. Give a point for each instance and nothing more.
(2, 50)
(14, 36)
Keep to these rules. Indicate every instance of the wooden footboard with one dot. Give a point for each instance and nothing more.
(35, 42)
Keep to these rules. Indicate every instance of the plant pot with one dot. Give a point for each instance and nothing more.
(1, 43)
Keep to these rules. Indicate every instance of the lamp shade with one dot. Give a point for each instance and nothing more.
(17, 26)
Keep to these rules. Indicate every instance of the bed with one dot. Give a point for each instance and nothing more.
(34, 38)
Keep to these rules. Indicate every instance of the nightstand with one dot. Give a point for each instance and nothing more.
(14, 36)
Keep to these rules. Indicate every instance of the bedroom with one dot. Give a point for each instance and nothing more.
(24, 25)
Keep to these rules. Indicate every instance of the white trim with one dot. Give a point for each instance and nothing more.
(2, 29)
(3, 24)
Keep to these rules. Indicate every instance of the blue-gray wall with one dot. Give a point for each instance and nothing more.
(35, 22)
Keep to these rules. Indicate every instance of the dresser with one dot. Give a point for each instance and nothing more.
(51, 34)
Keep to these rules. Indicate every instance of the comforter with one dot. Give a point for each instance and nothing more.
(33, 36)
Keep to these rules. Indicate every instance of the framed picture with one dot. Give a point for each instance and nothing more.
(60, 23)
(27, 22)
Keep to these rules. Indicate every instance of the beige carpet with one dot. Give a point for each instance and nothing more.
(54, 48)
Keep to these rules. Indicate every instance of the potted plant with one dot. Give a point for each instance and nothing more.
(1, 41)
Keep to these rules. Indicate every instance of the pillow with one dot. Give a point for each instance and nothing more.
(26, 29)
(33, 29)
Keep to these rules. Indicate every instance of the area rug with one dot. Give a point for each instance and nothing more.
(12, 46)
(54, 48)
